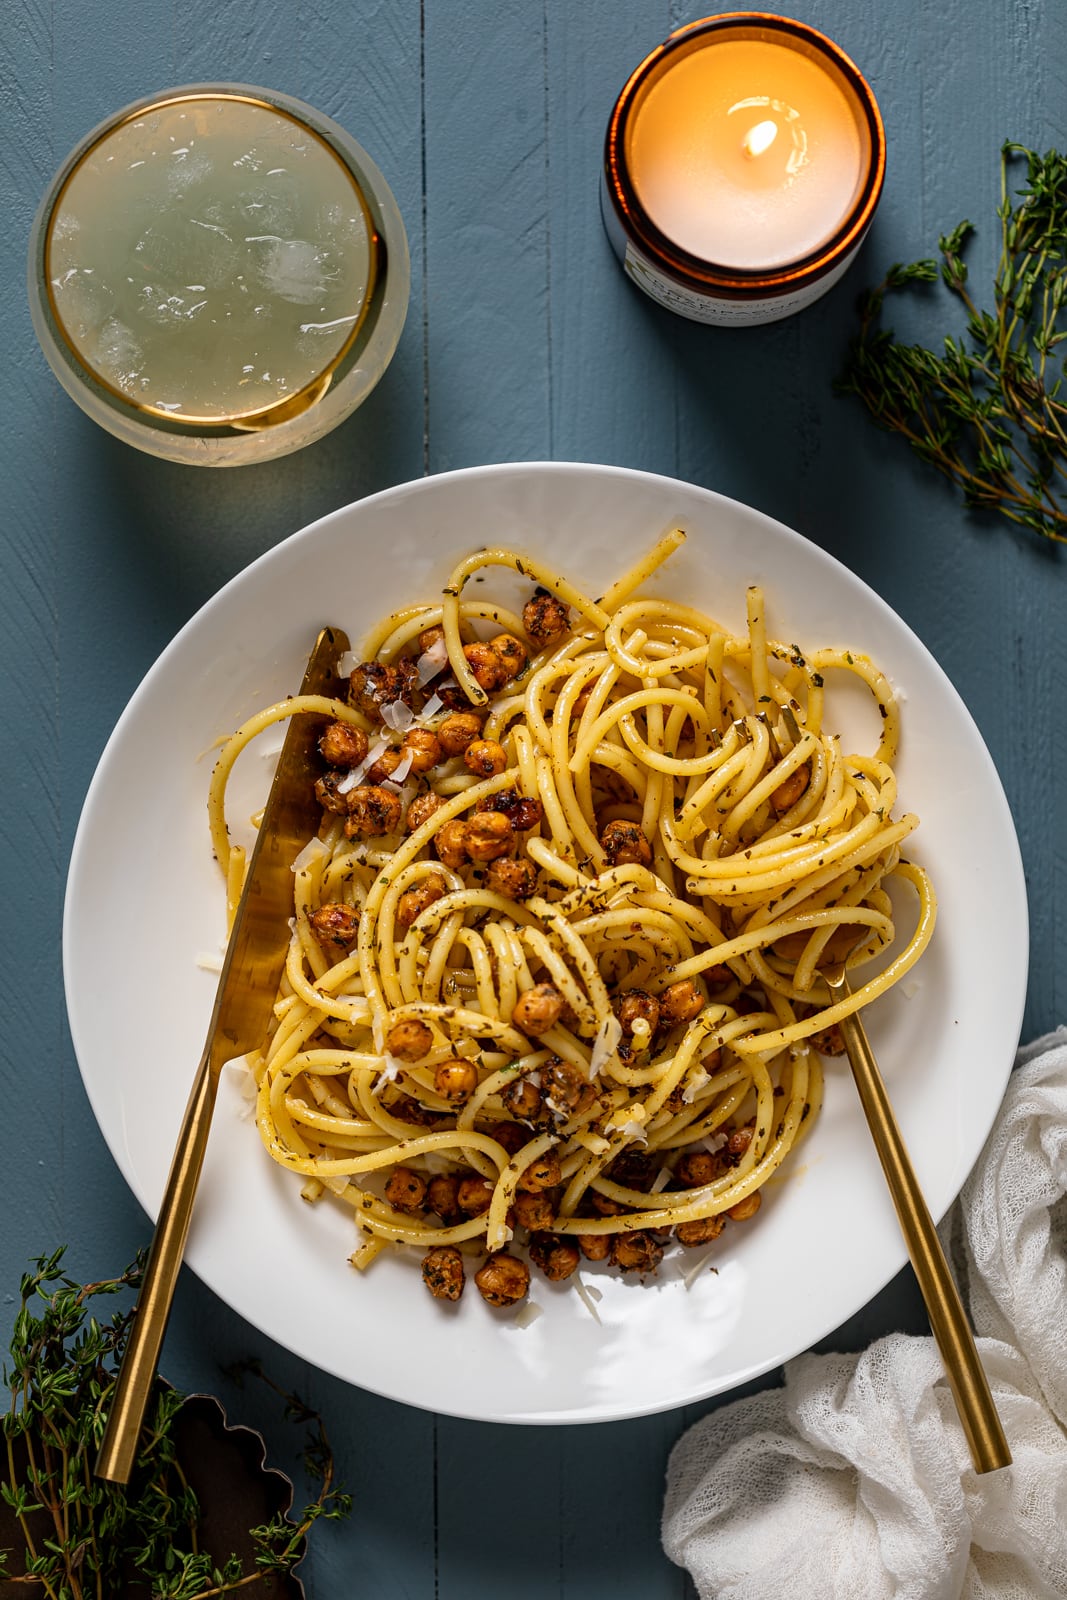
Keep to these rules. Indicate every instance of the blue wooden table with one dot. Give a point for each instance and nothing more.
(523, 341)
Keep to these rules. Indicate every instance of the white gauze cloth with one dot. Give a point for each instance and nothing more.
(853, 1481)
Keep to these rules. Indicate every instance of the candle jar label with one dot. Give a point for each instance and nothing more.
(713, 309)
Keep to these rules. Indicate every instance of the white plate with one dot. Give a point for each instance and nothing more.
(145, 899)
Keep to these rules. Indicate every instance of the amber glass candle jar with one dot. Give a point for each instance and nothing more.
(743, 164)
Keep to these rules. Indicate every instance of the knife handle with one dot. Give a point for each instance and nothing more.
(133, 1387)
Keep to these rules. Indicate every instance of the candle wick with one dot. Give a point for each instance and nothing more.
(759, 138)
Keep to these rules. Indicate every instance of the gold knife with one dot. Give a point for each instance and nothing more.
(248, 986)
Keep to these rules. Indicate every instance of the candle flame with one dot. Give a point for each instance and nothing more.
(759, 138)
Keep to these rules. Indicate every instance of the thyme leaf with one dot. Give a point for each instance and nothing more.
(988, 411)
(80, 1538)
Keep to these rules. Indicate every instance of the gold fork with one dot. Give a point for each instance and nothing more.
(948, 1321)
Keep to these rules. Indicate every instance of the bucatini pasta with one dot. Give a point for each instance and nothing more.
(553, 984)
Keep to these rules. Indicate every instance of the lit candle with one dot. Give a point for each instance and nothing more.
(209, 269)
(744, 161)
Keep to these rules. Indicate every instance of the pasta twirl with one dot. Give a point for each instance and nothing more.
(553, 985)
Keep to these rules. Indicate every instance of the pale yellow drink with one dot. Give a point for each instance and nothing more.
(210, 260)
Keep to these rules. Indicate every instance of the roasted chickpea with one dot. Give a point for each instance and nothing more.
(637, 1006)
(557, 1258)
(564, 1089)
(450, 842)
(489, 671)
(503, 1280)
(422, 809)
(485, 758)
(509, 1134)
(342, 745)
(747, 1207)
(696, 1168)
(328, 795)
(455, 1080)
(828, 1041)
(511, 654)
(374, 684)
(413, 902)
(442, 1272)
(372, 811)
(407, 1109)
(423, 748)
(523, 1099)
(604, 1206)
(514, 879)
(543, 1173)
(790, 789)
(534, 1211)
(429, 637)
(409, 1039)
(383, 767)
(738, 1141)
(336, 927)
(406, 1190)
(594, 1246)
(702, 1231)
(636, 1252)
(473, 1196)
(719, 976)
(680, 1002)
(545, 618)
(522, 813)
(578, 708)
(442, 1196)
(537, 1010)
(456, 732)
(488, 835)
(634, 1169)
(625, 845)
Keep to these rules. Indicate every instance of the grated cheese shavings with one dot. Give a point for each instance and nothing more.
(529, 1313)
(432, 662)
(588, 1294)
(430, 710)
(696, 1082)
(404, 768)
(355, 774)
(388, 1071)
(209, 963)
(398, 715)
(690, 1274)
(311, 851)
(663, 1178)
(607, 1041)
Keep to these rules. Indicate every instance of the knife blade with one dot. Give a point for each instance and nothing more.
(248, 985)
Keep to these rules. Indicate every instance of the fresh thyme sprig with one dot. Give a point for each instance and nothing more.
(81, 1538)
(988, 412)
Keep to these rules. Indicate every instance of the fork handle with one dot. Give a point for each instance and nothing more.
(963, 1367)
(133, 1387)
